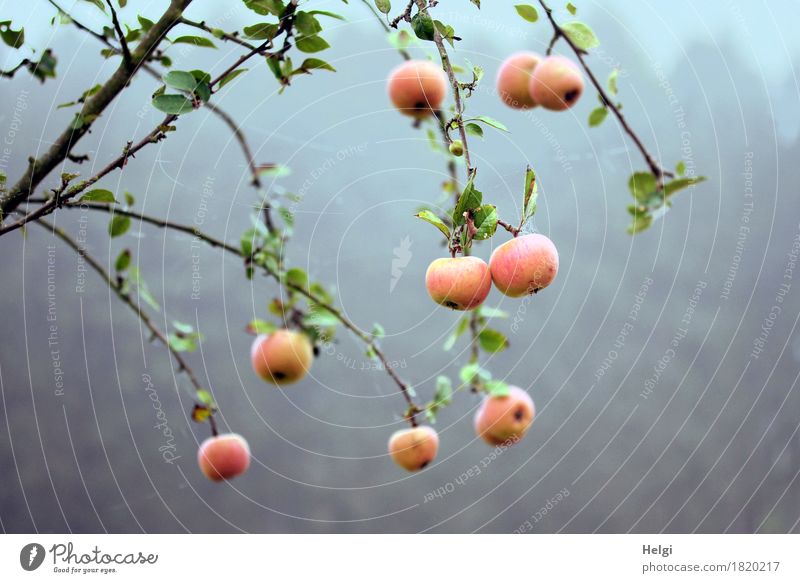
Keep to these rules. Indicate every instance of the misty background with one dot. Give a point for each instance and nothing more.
(629, 436)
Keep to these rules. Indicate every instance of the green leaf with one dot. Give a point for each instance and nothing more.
(642, 186)
(182, 327)
(314, 64)
(173, 104)
(261, 31)
(423, 27)
(306, 23)
(98, 3)
(327, 13)
(485, 220)
(46, 67)
(490, 121)
(129, 199)
(205, 398)
(261, 327)
(13, 38)
(444, 391)
(612, 81)
(673, 186)
(383, 6)
(462, 326)
(469, 373)
(123, 261)
(446, 31)
(469, 199)
(581, 35)
(571, 8)
(498, 388)
(230, 77)
(182, 80)
(98, 195)
(145, 23)
(118, 225)
(597, 115)
(640, 223)
(378, 331)
(264, 7)
(197, 41)
(297, 277)
(311, 44)
(474, 129)
(527, 12)
(530, 195)
(680, 168)
(182, 343)
(487, 312)
(492, 340)
(431, 218)
(321, 317)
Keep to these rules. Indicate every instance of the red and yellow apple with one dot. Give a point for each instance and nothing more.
(556, 83)
(460, 283)
(514, 78)
(281, 357)
(417, 88)
(223, 457)
(524, 265)
(504, 419)
(414, 448)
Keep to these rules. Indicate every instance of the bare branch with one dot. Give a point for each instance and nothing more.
(126, 53)
(93, 107)
(125, 297)
(365, 337)
(558, 32)
(451, 75)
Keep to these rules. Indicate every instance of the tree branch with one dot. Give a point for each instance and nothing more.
(451, 75)
(366, 338)
(126, 53)
(125, 297)
(39, 168)
(223, 35)
(558, 32)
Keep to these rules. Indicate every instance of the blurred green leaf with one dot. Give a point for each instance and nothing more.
(527, 12)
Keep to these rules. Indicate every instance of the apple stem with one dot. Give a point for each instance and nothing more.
(513, 230)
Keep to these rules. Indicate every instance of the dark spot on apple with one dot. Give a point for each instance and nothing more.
(450, 304)
(278, 375)
(425, 463)
(571, 96)
(519, 414)
(420, 105)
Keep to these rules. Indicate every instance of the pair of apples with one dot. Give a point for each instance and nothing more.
(524, 80)
(500, 421)
(522, 266)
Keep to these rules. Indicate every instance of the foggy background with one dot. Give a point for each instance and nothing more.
(704, 441)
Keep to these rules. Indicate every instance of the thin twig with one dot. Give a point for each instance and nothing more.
(39, 168)
(223, 35)
(316, 300)
(126, 298)
(405, 54)
(13, 70)
(558, 32)
(451, 75)
(405, 15)
(511, 229)
(126, 54)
